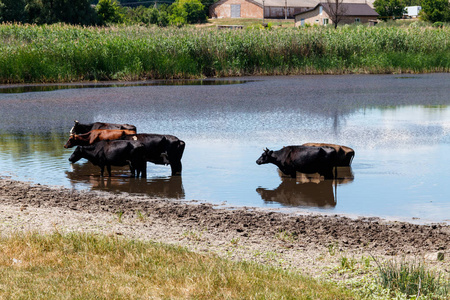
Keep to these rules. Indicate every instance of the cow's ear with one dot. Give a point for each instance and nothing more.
(270, 152)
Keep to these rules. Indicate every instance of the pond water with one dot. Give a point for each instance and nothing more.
(398, 125)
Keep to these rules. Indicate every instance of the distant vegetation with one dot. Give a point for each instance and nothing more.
(63, 53)
(104, 12)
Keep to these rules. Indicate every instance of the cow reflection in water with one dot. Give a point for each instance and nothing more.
(167, 187)
(307, 190)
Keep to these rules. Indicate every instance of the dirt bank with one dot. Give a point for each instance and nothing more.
(288, 240)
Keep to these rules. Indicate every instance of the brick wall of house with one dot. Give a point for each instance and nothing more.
(351, 20)
(311, 17)
(248, 9)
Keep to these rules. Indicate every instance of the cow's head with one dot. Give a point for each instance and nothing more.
(70, 141)
(76, 155)
(265, 158)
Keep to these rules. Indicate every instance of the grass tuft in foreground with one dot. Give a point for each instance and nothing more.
(88, 266)
(413, 279)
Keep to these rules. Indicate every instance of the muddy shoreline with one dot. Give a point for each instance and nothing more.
(243, 233)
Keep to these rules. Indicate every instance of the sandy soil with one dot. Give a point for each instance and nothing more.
(311, 243)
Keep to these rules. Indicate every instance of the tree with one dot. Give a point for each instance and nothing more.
(12, 11)
(389, 8)
(67, 11)
(74, 11)
(187, 12)
(108, 11)
(336, 11)
(411, 2)
(435, 10)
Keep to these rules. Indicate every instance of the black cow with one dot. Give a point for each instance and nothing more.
(303, 159)
(114, 153)
(79, 128)
(161, 149)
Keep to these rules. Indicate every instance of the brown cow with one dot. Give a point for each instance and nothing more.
(344, 154)
(96, 135)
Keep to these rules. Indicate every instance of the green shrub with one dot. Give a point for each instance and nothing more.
(438, 24)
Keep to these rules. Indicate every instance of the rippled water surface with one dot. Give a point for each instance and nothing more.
(399, 127)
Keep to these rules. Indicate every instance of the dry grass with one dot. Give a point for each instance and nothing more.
(86, 266)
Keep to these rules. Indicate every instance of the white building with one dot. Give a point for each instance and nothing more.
(412, 12)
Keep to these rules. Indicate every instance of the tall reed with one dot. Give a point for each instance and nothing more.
(62, 53)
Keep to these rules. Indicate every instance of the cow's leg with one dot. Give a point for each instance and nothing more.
(133, 170)
(176, 167)
(144, 170)
(108, 167)
(102, 169)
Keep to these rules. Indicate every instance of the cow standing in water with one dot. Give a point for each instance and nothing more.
(303, 159)
(79, 128)
(94, 136)
(161, 149)
(114, 153)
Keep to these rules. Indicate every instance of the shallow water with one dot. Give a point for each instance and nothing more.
(399, 127)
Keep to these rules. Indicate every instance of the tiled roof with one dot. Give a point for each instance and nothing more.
(353, 9)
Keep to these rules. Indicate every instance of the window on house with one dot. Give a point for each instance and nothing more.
(320, 10)
(357, 20)
(325, 21)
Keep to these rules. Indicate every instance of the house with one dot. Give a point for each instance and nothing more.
(322, 14)
(273, 9)
(412, 12)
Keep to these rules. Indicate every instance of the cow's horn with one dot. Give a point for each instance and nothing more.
(267, 149)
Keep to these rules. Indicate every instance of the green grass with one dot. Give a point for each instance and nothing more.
(63, 53)
(413, 279)
(87, 266)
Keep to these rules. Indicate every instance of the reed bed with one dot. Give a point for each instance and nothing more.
(64, 53)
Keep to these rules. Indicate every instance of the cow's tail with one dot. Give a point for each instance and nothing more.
(181, 147)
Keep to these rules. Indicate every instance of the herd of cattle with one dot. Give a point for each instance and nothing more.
(107, 144)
